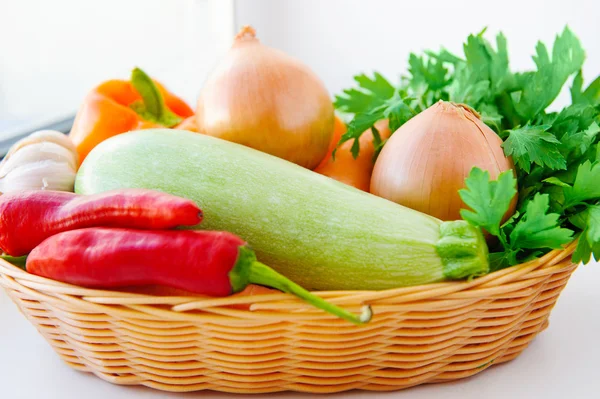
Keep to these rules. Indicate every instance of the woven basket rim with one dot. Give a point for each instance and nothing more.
(10, 274)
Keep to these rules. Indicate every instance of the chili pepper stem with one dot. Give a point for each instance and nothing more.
(248, 270)
(263, 275)
(18, 261)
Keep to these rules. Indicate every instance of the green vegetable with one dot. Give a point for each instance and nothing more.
(397, 109)
(589, 240)
(539, 88)
(534, 230)
(533, 144)
(586, 186)
(556, 154)
(488, 199)
(320, 233)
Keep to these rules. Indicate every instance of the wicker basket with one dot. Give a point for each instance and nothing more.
(432, 333)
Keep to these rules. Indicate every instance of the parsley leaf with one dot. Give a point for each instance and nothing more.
(534, 229)
(592, 93)
(538, 229)
(500, 74)
(589, 96)
(502, 260)
(371, 92)
(586, 186)
(490, 115)
(579, 115)
(356, 128)
(429, 73)
(445, 56)
(589, 239)
(487, 63)
(579, 141)
(466, 88)
(397, 110)
(477, 56)
(488, 200)
(484, 74)
(534, 144)
(540, 88)
(576, 89)
(555, 181)
(593, 224)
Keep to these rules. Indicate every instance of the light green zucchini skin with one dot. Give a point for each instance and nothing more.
(320, 233)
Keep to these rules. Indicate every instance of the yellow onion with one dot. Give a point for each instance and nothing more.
(426, 161)
(262, 98)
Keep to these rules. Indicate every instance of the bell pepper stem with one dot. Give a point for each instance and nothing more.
(152, 107)
(248, 270)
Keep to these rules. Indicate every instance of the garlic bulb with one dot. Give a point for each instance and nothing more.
(45, 160)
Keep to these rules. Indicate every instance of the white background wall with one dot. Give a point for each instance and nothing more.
(340, 38)
(53, 51)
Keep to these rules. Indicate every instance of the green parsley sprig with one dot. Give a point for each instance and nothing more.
(556, 154)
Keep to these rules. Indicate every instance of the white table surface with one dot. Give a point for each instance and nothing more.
(562, 362)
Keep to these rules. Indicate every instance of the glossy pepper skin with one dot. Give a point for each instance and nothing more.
(29, 217)
(119, 106)
(195, 261)
(214, 263)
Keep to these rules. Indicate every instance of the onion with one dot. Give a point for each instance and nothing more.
(426, 161)
(262, 98)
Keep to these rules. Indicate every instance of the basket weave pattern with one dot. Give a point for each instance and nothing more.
(432, 333)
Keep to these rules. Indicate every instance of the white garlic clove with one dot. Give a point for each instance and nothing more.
(39, 175)
(38, 152)
(51, 136)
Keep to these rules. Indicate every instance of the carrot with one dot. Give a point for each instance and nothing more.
(344, 168)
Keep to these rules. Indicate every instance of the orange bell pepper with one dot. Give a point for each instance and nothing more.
(119, 106)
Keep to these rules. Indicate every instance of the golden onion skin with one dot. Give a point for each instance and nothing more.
(262, 98)
(426, 161)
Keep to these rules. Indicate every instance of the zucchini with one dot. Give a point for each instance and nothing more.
(322, 234)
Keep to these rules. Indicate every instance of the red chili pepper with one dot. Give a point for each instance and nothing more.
(29, 217)
(203, 262)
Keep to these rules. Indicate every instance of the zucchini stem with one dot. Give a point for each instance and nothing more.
(463, 250)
